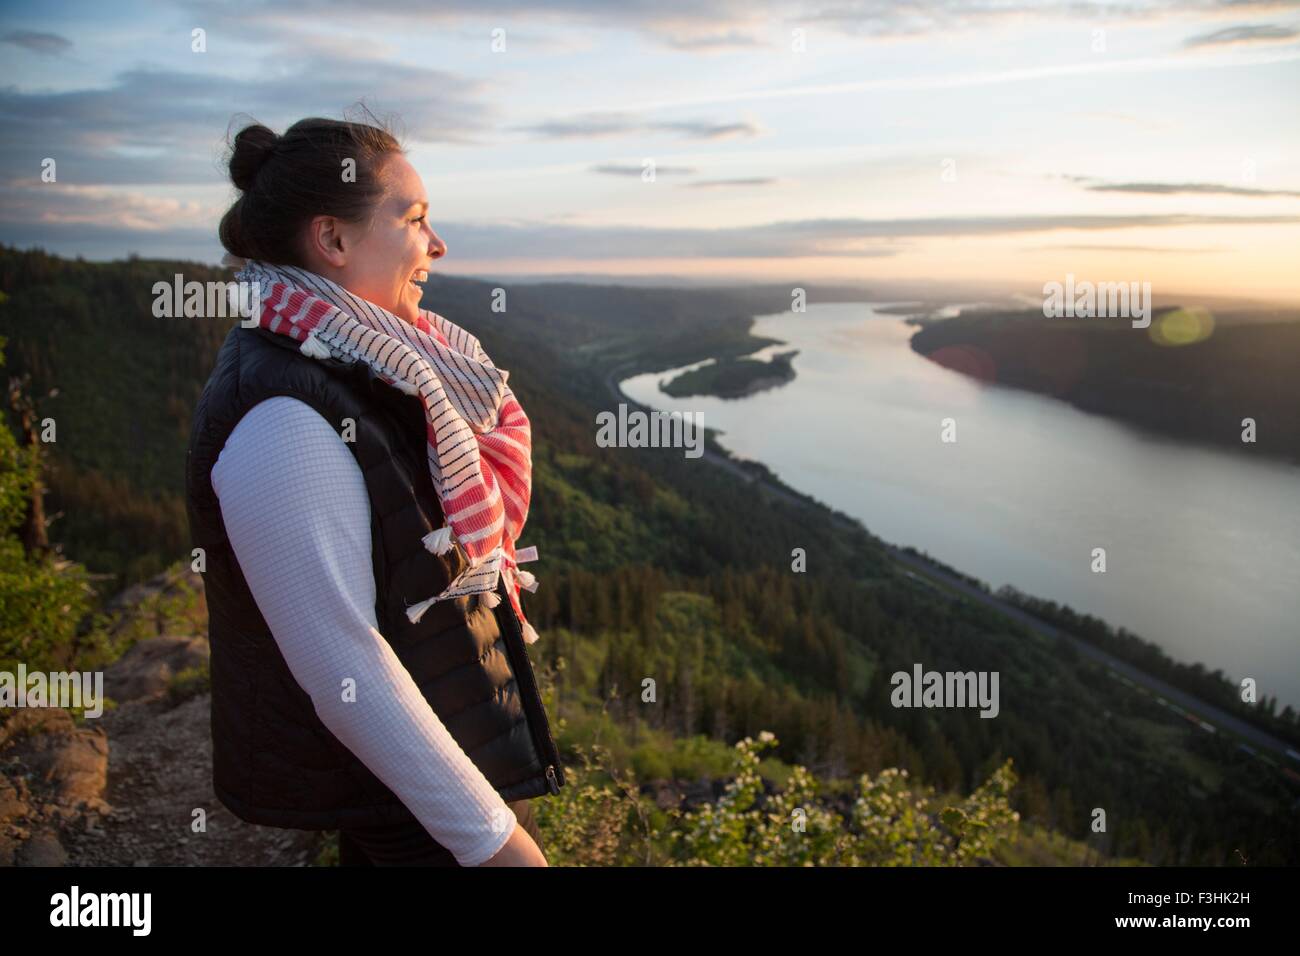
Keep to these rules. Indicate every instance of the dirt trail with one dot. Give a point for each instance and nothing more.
(159, 773)
(137, 807)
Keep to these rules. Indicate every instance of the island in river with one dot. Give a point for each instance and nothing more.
(733, 377)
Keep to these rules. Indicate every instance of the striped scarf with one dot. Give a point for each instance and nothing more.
(478, 439)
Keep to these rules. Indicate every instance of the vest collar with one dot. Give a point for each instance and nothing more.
(362, 376)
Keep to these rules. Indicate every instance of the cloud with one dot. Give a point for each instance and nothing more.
(987, 77)
(593, 125)
(99, 235)
(694, 25)
(1255, 33)
(50, 44)
(888, 18)
(114, 242)
(693, 129)
(750, 181)
(30, 202)
(168, 126)
(852, 238)
(627, 169)
(1083, 247)
(720, 25)
(1185, 189)
(723, 40)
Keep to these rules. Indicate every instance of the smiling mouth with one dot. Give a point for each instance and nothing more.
(420, 277)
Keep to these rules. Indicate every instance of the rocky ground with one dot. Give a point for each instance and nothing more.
(124, 792)
(123, 789)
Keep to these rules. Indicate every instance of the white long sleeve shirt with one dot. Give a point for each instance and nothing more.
(296, 510)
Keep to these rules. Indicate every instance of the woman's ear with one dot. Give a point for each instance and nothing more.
(325, 241)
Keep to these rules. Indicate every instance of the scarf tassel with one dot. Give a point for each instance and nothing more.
(439, 541)
(416, 611)
(313, 347)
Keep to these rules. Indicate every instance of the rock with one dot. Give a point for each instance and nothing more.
(149, 665)
(30, 721)
(62, 813)
(163, 583)
(69, 762)
(43, 849)
(12, 806)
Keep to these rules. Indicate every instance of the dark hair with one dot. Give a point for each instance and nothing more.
(287, 180)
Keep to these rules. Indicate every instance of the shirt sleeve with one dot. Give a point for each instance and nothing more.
(296, 511)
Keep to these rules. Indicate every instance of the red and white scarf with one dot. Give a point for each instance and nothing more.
(478, 438)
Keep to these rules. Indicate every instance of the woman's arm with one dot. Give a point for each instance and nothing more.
(298, 516)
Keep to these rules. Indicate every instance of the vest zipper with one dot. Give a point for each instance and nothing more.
(534, 709)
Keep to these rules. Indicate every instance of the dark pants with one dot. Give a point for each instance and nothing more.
(409, 844)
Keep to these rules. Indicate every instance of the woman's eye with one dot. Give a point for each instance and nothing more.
(420, 219)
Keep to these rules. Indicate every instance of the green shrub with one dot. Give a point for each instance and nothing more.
(601, 819)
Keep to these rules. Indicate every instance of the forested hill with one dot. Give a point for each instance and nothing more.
(128, 381)
(1194, 374)
(654, 564)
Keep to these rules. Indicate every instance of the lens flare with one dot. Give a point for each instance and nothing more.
(1182, 326)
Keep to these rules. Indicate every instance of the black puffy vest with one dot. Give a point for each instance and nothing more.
(274, 762)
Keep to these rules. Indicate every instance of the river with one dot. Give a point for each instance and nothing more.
(1202, 546)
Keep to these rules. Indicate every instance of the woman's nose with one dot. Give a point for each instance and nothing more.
(437, 248)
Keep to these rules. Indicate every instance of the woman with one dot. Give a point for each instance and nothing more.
(357, 476)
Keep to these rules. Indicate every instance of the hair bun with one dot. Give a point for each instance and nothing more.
(269, 219)
(253, 146)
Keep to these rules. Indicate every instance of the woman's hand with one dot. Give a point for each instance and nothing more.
(520, 850)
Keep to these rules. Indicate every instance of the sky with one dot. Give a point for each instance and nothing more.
(1001, 141)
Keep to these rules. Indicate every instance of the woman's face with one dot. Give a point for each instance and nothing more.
(380, 259)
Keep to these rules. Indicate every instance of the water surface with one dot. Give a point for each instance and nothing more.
(1202, 546)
